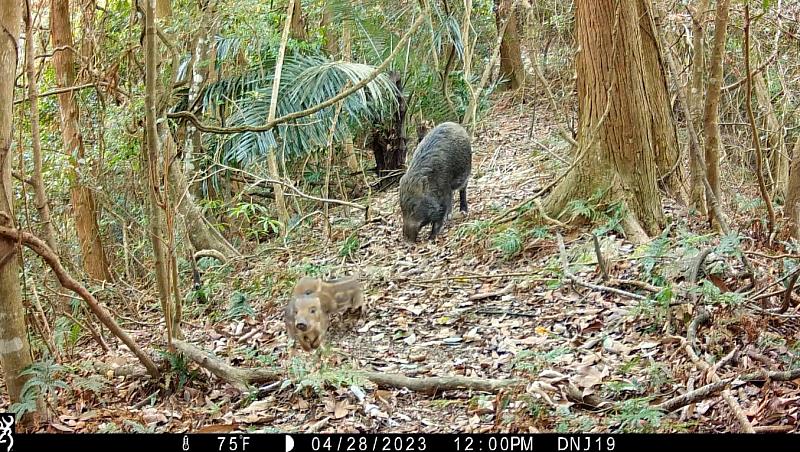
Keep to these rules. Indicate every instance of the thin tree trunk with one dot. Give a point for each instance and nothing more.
(792, 208)
(711, 110)
(298, 26)
(615, 117)
(83, 203)
(15, 354)
(753, 128)
(156, 197)
(697, 199)
(349, 150)
(778, 159)
(511, 68)
(272, 159)
(42, 203)
(668, 154)
(164, 8)
(331, 31)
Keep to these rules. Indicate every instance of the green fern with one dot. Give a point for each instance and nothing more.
(139, 428)
(93, 383)
(239, 306)
(477, 229)
(179, 367)
(508, 242)
(317, 381)
(350, 246)
(713, 295)
(533, 362)
(312, 269)
(44, 380)
(638, 416)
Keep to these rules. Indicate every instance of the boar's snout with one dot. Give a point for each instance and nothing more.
(411, 230)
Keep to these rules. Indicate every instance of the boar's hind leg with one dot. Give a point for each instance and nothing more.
(436, 227)
(462, 196)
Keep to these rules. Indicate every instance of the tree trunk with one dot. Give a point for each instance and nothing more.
(156, 196)
(164, 8)
(331, 31)
(298, 24)
(389, 145)
(616, 127)
(792, 208)
(512, 71)
(82, 198)
(711, 110)
(15, 353)
(201, 71)
(668, 155)
(778, 160)
(349, 150)
(272, 159)
(201, 234)
(42, 203)
(697, 199)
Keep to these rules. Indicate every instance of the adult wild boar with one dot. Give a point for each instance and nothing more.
(441, 165)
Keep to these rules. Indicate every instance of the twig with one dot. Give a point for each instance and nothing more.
(777, 256)
(638, 284)
(787, 295)
(694, 396)
(702, 317)
(601, 263)
(497, 293)
(261, 180)
(508, 313)
(499, 275)
(578, 281)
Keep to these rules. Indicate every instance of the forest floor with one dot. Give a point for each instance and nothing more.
(472, 303)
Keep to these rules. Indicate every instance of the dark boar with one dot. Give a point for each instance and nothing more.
(440, 165)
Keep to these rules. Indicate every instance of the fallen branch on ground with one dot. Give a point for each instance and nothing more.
(497, 293)
(578, 281)
(688, 344)
(242, 378)
(39, 247)
(239, 378)
(499, 275)
(694, 396)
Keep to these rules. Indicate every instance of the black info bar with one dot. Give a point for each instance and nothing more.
(280, 442)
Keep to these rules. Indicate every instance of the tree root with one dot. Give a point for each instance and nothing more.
(242, 378)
